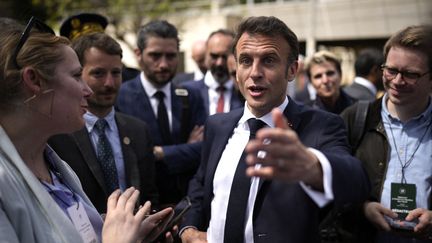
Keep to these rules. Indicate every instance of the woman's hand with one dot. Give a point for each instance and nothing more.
(121, 225)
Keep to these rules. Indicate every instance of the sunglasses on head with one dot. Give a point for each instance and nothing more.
(32, 23)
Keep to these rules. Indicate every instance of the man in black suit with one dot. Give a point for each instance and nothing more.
(129, 140)
(294, 168)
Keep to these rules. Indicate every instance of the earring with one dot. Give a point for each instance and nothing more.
(38, 103)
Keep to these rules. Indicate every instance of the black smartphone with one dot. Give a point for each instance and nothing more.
(179, 211)
(398, 224)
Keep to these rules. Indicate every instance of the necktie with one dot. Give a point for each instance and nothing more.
(105, 157)
(236, 212)
(221, 102)
(162, 118)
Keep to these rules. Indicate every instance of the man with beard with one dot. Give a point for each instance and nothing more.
(175, 116)
(113, 150)
(217, 88)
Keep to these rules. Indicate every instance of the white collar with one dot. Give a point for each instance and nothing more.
(366, 83)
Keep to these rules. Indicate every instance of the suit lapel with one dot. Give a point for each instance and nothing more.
(176, 106)
(129, 157)
(146, 111)
(291, 112)
(86, 147)
(204, 94)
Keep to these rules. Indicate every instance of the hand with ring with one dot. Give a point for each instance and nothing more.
(286, 158)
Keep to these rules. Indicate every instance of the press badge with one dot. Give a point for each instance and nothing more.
(403, 199)
(82, 223)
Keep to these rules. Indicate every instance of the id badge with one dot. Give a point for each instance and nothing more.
(82, 223)
(403, 199)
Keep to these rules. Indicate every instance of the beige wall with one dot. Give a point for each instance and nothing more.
(311, 20)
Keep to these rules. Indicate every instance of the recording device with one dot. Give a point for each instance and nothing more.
(179, 211)
(398, 224)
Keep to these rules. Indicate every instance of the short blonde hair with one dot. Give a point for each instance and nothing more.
(321, 57)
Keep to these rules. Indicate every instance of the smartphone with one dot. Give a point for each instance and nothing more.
(398, 224)
(179, 211)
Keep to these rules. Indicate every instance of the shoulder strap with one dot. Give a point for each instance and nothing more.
(359, 122)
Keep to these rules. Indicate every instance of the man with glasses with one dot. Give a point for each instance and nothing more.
(395, 145)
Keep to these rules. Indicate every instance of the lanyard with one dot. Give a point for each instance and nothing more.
(407, 162)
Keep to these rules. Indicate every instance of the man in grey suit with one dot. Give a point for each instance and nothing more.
(129, 147)
(368, 80)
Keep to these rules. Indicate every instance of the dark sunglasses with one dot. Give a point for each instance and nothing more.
(37, 24)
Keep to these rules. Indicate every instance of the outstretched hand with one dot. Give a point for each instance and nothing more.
(286, 158)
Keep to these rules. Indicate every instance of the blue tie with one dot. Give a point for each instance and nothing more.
(236, 212)
(105, 157)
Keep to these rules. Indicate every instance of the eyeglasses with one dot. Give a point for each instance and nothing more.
(39, 25)
(408, 76)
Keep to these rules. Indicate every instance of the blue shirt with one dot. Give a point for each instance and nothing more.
(403, 139)
(114, 139)
(64, 196)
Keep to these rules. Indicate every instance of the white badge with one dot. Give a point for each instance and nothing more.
(82, 223)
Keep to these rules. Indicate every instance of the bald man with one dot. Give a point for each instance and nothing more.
(198, 55)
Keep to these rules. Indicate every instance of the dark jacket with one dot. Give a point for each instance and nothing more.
(342, 102)
(372, 150)
(283, 212)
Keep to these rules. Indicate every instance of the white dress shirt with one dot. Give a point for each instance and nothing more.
(151, 91)
(224, 176)
(213, 94)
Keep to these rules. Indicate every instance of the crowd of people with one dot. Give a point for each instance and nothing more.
(88, 156)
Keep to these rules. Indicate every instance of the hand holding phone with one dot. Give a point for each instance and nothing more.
(398, 224)
(179, 211)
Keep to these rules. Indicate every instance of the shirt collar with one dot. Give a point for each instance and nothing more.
(213, 84)
(267, 118)
(366, 83)
(91, 119)
(151, 90)
(423, 117)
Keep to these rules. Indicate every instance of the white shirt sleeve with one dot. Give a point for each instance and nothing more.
(321, 198)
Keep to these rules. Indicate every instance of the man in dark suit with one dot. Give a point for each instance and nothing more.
(129, 138)
(175, 116)
(217, 88)
(294, 168)
(368, 80)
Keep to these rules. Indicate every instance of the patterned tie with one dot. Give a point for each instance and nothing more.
(162, 118)
(236, 212)
(221, 102)
(105, 157)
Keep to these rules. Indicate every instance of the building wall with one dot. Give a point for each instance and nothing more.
(313, 20)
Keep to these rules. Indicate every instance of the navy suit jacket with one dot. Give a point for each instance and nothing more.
(283, 212)
(137, 148)
(180, 78)
(235, 101)
(180, 158)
